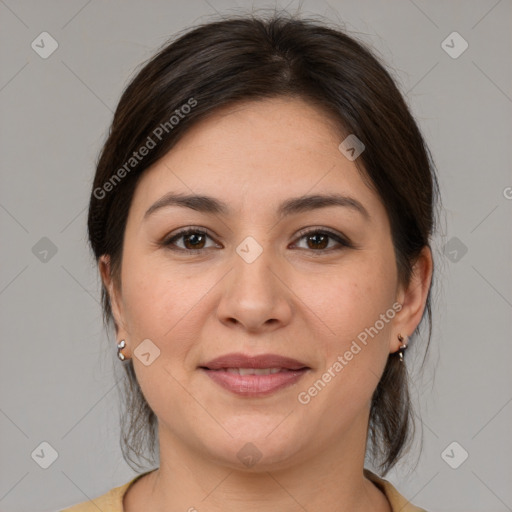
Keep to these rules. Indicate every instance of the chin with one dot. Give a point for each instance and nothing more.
(258, 447)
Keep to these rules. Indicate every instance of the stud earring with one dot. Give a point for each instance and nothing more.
(402, 347)
(120, 346)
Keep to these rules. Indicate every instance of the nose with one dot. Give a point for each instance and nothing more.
(255, 296)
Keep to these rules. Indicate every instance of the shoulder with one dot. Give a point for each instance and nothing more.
(396, 500)
(111, 501)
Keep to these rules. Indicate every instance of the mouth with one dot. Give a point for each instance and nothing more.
(252, 371)
(254, 376)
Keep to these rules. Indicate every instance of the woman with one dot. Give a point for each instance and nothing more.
(261, 216)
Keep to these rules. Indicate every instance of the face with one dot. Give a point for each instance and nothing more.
(316, 282)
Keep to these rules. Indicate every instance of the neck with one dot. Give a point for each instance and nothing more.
(331, 479)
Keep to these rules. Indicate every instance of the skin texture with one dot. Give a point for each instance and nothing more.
(304, 299)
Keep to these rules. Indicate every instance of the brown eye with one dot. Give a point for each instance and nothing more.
(192, 240)
(318, 240)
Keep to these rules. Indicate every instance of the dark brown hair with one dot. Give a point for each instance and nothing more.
(253, 57)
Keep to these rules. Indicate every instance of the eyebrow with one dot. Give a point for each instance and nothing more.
(208, 204)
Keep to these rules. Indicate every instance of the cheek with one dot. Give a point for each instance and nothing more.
(354, 297)
(355, 356)
(155, 296)
(358, 308)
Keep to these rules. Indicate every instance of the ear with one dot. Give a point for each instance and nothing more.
(413, 298)
(114, 296)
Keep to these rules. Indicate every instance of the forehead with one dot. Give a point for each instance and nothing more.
(254, 154)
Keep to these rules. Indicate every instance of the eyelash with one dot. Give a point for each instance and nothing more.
(343, 242)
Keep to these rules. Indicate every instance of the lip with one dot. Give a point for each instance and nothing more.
(254, 385)
(239, 360)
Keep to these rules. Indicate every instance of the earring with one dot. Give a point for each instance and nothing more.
(402, 347)
(120, 346)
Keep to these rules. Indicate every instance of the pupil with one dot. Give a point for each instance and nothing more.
(193, 237)
(323, 245)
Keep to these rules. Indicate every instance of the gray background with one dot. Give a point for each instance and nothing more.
(57, 378)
